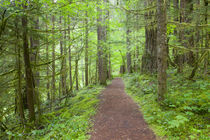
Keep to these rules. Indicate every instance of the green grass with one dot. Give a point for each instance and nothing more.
(71, 122)
(185, 111)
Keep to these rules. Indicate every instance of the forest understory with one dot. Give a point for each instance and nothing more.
(60, 60)
(184, 114)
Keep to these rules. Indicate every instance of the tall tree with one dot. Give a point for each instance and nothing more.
(47, 66)
(207, 37)
(149, 61)
(53, 60)
(128, 40)
(35, 47)
(70, 57)
(186, 36)
(77, 71)
(161, 49)
(101, 34)
(19, 95)
(86, 48)
(28, 70)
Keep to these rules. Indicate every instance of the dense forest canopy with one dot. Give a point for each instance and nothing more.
(52, 49)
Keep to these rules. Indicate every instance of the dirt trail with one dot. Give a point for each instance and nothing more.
(118, 117)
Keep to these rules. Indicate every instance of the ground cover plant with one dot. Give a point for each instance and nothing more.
(184, 114)
(71, 120)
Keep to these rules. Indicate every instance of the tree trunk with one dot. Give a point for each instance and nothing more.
(178, 58)
(149, 58)
(76, 72)
(61, 83)
(206, 61)
(128, 54)
(28, 71)
(48, 69)
(69, 48)
(161, 49)
(102, 69)
(186, 7)
(86, 49)
(83, 77)
(35, 44)
(53, 61)
(19, 97)
(110, 65)
(64, 60)
(63, 65)
(90, 71)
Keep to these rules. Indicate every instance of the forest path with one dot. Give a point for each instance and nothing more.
(118, 117)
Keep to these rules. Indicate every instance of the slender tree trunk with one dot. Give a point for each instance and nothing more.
(82, 68)
(64, 60)
(69, 50)
(178, 57)
(28, 70)
(206, 61)
(90, 72)
(129, 65)
(35, 44)
(97, 71)
(137, 45)
(19, 98)
(162, 49)
(186, 37)
(110, 65)
(61, 84)
(106, 36)
(86, 49)
(76, 72)
(48, 69)
(53, 61)
(102, 69)
(62, 71)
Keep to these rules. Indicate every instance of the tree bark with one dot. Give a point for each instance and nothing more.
(53, 61)
(206, 61)
(102, 69)
(69, 49)
(186, 37)
(64, 61)
(28, 71)
(86, 49)
(77, 72)
(48, 69)
(19, 97)
(128, 54)
(161, 49)
(35, 44)
(149, 58)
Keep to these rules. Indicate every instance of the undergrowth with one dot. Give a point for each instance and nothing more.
(72, 121)
(184, 113)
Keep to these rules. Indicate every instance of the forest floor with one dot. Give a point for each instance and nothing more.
(118, 117)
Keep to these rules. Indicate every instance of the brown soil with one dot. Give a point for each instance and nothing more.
(118, 117)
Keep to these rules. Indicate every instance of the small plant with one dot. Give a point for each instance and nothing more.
(71, 122)
(183, 113)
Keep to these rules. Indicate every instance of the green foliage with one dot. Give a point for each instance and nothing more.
(71, 122)
(184, 113)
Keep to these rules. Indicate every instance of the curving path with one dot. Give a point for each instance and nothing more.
(118, 117)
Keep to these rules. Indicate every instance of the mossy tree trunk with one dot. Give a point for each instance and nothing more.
(161, 49)
(149, 58)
